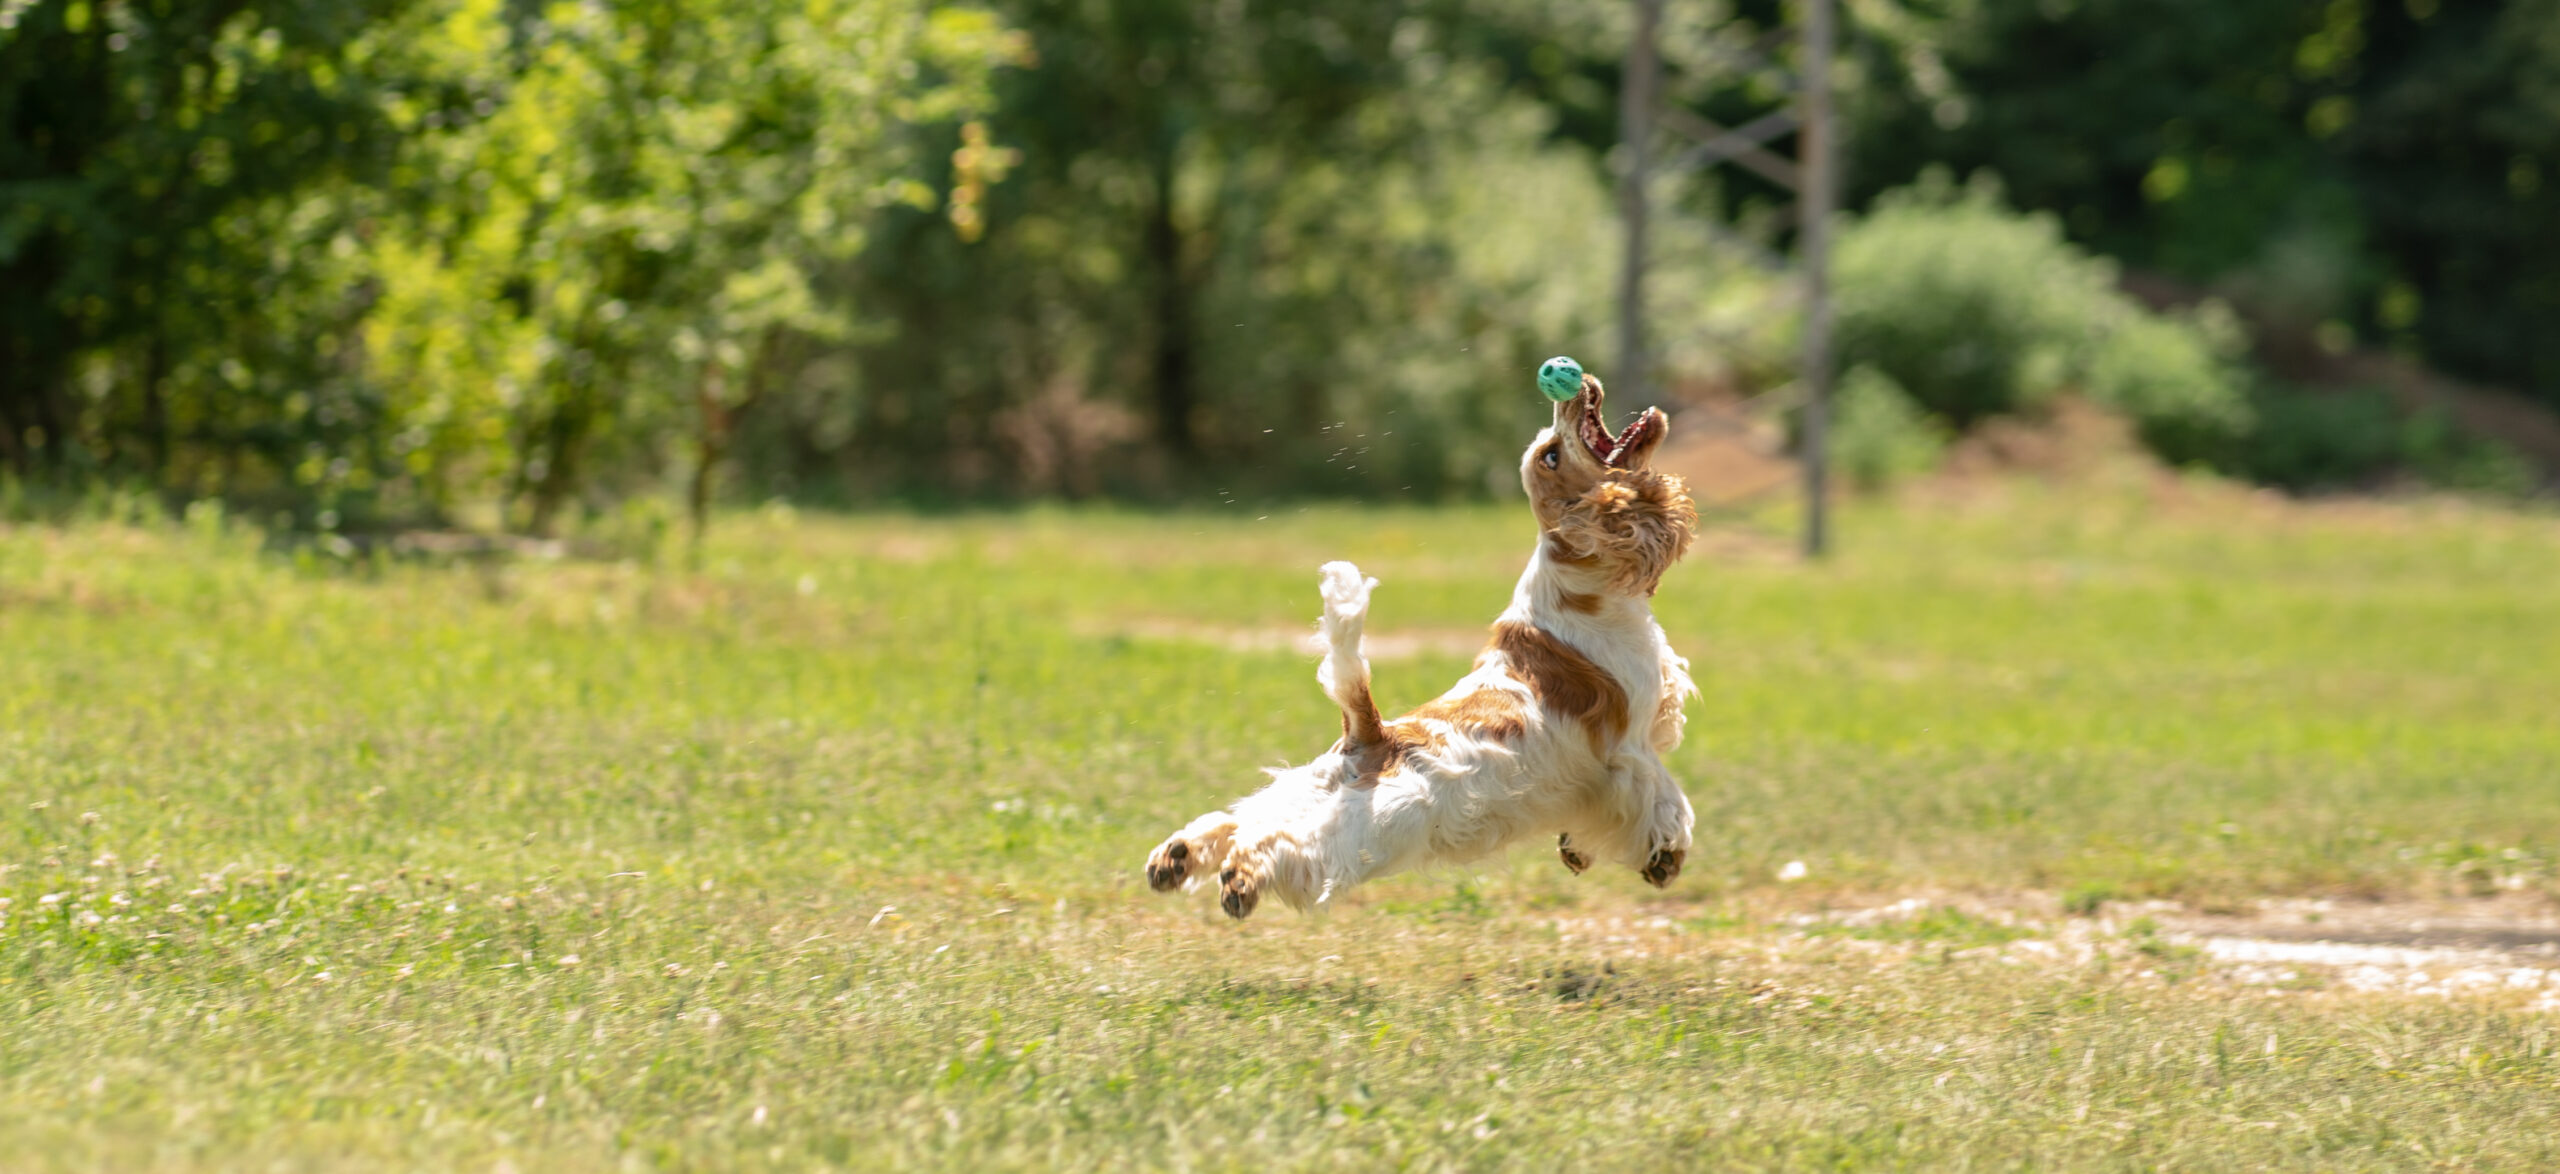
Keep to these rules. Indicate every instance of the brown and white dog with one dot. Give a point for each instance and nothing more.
(1560, 728)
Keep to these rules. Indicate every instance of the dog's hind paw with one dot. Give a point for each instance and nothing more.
(1238, 893)
(1574, 860)
(1664, 867)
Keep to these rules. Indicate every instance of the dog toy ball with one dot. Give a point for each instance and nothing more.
(1560, 377)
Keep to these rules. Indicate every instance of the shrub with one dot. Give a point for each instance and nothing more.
(2308, 438)
(1972, 309)
(1977, 311)
(1878, 435)
(2443, 455)
(2172, 375)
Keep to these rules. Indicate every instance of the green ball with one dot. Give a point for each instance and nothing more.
(1560, 377)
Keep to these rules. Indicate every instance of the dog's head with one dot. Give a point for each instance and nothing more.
(1601, 506)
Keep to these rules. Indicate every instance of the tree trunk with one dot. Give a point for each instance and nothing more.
(51, 417)
(32, 362)
(711, 445)
(563, 440)
(155, 402)
(1175, 393)
(718, 422)
(11, 390)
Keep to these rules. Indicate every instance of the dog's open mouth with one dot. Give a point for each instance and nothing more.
(1613, 450)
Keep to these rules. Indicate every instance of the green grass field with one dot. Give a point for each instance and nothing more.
(826, 855)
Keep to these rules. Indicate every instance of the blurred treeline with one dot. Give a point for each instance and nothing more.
(504, 262)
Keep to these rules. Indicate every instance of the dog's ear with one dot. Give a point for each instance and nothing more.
(1634, 524)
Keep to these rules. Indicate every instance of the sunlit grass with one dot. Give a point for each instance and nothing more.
(825, 854)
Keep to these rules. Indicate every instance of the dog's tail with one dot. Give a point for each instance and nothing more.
(1344, 673)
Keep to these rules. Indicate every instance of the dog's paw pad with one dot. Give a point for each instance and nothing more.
(1237, 894)
(1574, 861)
(1664, 867)
(1170, 865)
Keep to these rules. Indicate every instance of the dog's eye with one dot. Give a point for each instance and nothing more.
(1548, 458)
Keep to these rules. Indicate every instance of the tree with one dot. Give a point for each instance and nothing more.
(2374, 166)
(623, 248)
(1137, 98)
(2454, 151)
(150, 155)
(1300, 246)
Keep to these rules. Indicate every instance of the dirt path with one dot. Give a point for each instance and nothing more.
(1402, 644)
(2501, 951)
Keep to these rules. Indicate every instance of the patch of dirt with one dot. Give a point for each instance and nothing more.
(1391, 645)
(1727, 454)
(1733, 455)
(2069, 438)
(2503, 950)
(2532, 430)
(2505, 947)
(2508, 924)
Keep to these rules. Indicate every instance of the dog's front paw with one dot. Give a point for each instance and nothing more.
(1169, 865)
(1574, 859)
(1664, 867)
(1186, 852)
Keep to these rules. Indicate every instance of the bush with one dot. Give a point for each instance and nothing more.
(1878, 435)
(1979, 311)
(2309, 439)
(2172, 376)
(2306, 438)
(1973, 310)
(2444, 456)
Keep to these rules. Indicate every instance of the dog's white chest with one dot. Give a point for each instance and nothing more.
(1628, 646)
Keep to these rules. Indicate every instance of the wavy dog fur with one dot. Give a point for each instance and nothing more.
(1558, 729)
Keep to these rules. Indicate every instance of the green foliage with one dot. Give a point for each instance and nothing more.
(2445, 455)
(2386, 168)
(1316, 253)
(1878, 435)
(2455, 151)
(2358, 437)
(2169, 133)
(593, 247)
(1978, 311)
(2311, 439)
(439, 257)
(1975, 311)
(500, 263)
(654, 208)
(2174, 376)
(174, 285)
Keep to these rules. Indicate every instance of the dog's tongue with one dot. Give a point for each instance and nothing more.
(1637, 429)
(1611, 448)
(1595, 427)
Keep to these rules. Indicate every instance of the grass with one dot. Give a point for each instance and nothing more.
(825, 855)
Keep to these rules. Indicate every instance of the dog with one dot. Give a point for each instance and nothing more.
(1560, 727)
